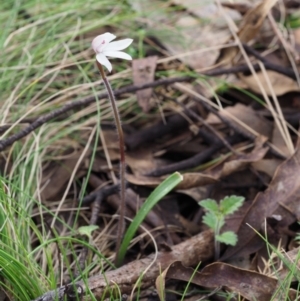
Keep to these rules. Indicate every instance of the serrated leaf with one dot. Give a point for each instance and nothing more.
(228, 238)
(210, 205)
(210, 220)
(231, 203)
(87, 230)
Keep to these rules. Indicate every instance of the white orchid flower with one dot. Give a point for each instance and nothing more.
(103, 47)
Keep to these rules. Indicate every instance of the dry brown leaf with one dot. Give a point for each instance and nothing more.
(99, 164)
(268, 166)
(57, 176)
(245, 115)
(141, 161)
(241, 162)
(189, 226)
(160, 284)
(249, 284)
(241, 7)
(143, 180)
(281, 198)
(296, 49)
(208, 10)
(196, 179)
(143, 73)
(253, 20)
(111, 141)
(197, 193)
(233, 220)
(192, 37)
(290, 259)
(280, 84)
(111, 138)
(248, 29)
(278, 141)
(182, 32)
(190, 180)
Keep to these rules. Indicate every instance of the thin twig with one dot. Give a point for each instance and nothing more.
(289, 72)
(82, 103)
(238, 129)
(174, 124)
(193, 161)
(205, 124)
(101, 194)
(129, 89)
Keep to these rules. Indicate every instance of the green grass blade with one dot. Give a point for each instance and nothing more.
(159, 192)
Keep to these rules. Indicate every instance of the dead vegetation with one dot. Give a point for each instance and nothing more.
(218, 102)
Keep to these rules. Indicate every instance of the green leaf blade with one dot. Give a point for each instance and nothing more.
(230, 204)
(211, 220)
(158, 193)
(228, 238)
(87, 230)
(210, 205)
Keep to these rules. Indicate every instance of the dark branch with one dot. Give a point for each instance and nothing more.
(130, 89)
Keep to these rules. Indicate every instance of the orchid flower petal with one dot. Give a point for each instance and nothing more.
(102, 59)
(103, 47)
(118, 45)
(101, 41)
(108, 37)
(118, 54)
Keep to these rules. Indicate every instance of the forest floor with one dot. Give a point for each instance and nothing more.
(210, 113)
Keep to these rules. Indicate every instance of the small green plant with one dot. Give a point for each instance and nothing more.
(215, 216)
(157, 194)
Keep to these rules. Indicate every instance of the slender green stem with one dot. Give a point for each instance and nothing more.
(117, 118)
(217, 243)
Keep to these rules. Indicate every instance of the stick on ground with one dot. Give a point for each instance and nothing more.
(190, 252)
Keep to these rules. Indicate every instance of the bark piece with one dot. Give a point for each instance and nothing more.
(143, 73)
(190, 252)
